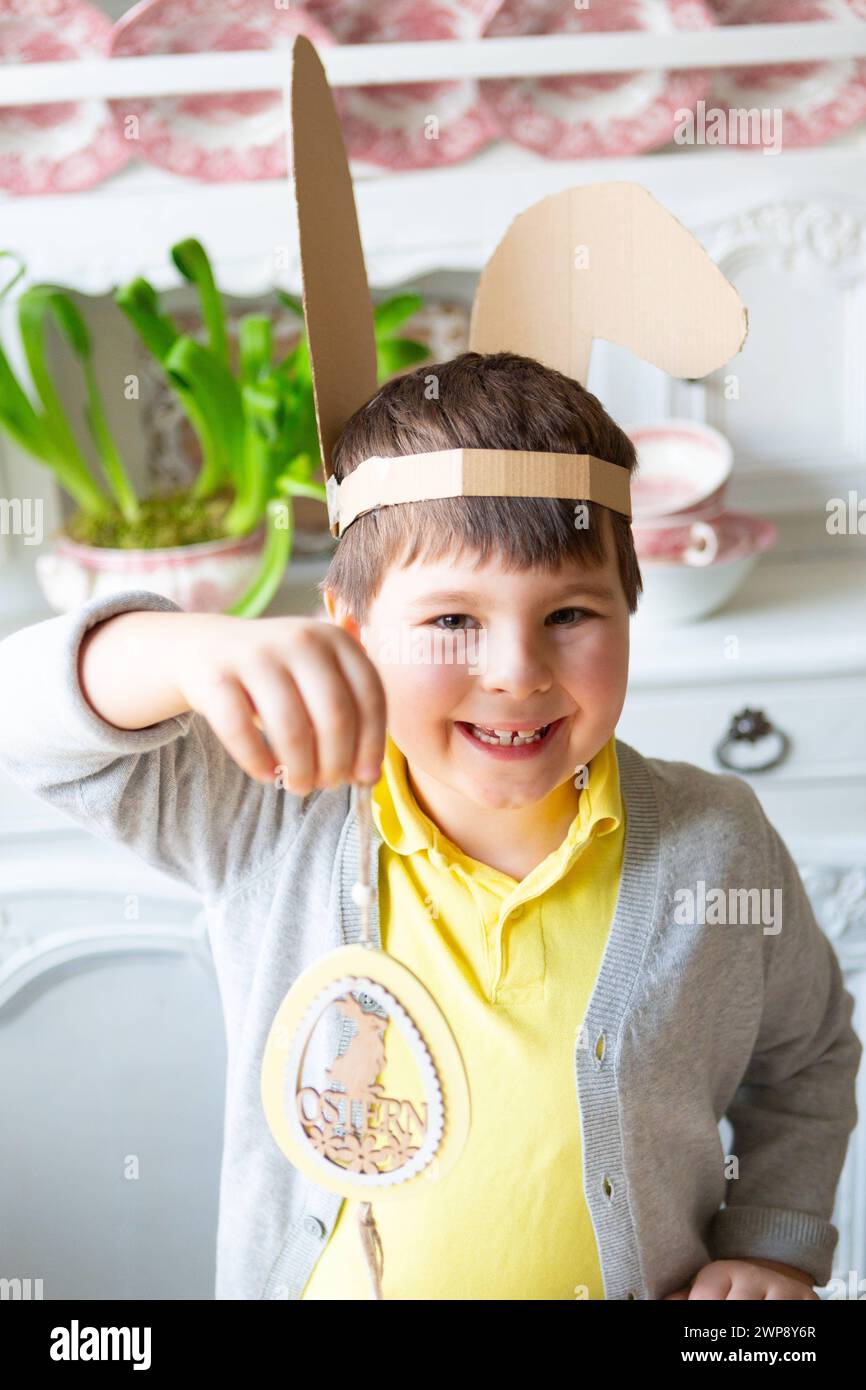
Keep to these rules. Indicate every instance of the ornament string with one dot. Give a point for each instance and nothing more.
(362, 891)
(373, 1252)
(362, 897)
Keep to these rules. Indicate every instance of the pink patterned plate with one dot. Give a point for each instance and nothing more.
(417, 125)
(62, 146)
(741, 534)
(220, 136)
(738, 535)
(817, 100)
(594, 115)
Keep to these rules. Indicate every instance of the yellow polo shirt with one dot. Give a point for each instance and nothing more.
(512, 965)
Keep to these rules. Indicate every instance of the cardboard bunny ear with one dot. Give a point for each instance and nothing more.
(599, 261)
(337, 305)
(606, 260)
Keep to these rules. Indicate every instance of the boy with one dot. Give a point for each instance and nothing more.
(603, 1039)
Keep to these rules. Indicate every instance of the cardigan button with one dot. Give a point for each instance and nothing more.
(314, 1226)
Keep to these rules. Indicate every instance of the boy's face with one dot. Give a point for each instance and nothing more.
(458, 645)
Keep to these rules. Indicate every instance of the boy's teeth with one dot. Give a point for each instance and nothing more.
(505, 736)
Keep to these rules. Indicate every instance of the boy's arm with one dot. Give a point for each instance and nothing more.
(795, 1107)
(170, 791)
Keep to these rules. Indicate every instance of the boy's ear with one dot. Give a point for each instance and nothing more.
(339, 615)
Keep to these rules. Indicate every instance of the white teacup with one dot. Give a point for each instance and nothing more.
(682, 474)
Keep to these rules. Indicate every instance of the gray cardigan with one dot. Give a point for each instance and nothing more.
(687, 1021)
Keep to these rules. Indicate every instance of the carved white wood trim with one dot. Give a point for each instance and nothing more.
(814, 235)
(797, 234)
(838, 897)
(28, 955)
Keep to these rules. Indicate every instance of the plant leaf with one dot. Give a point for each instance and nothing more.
(280, 529)
(218, 399)
(290, 485)
(263, 407)
(10, 284)
(35, 307)
(140, 303)
(112, 463)
(255, 339)
(192, 261)
(72, 325)
(254, 486)
(388, 315)
(296, 305)
(18, 416)
(394, 354)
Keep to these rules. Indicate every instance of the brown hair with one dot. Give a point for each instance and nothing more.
(496, 400)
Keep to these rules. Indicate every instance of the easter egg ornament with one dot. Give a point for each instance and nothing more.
(363, 1085)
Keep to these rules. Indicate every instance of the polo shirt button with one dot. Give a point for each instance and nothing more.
(518, 912)
(314, 1226)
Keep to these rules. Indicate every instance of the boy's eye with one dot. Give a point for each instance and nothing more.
(453, 621)
(569, 615)
(447, 616)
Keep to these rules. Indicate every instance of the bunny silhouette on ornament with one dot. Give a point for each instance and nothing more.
(364, 1058)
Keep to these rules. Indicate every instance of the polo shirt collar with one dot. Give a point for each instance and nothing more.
(406, 829)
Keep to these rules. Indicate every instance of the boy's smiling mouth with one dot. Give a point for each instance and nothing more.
(510, 740)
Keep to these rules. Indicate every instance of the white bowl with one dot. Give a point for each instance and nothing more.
(680, 593)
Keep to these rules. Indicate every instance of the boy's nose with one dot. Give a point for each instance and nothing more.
(514, 666)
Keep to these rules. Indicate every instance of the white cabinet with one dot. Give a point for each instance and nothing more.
(793, 648)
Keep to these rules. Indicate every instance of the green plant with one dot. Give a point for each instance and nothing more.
(297, 423)
(256, 427)
(43, 430)
(255, 422)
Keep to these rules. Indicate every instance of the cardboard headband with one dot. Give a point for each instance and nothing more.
(602, 260)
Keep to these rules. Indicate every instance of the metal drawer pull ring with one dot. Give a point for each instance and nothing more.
(748, 726)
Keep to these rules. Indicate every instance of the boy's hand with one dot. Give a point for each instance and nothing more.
(747, 1279)
(307, 684)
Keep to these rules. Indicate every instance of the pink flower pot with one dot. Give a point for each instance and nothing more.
(204, 578)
